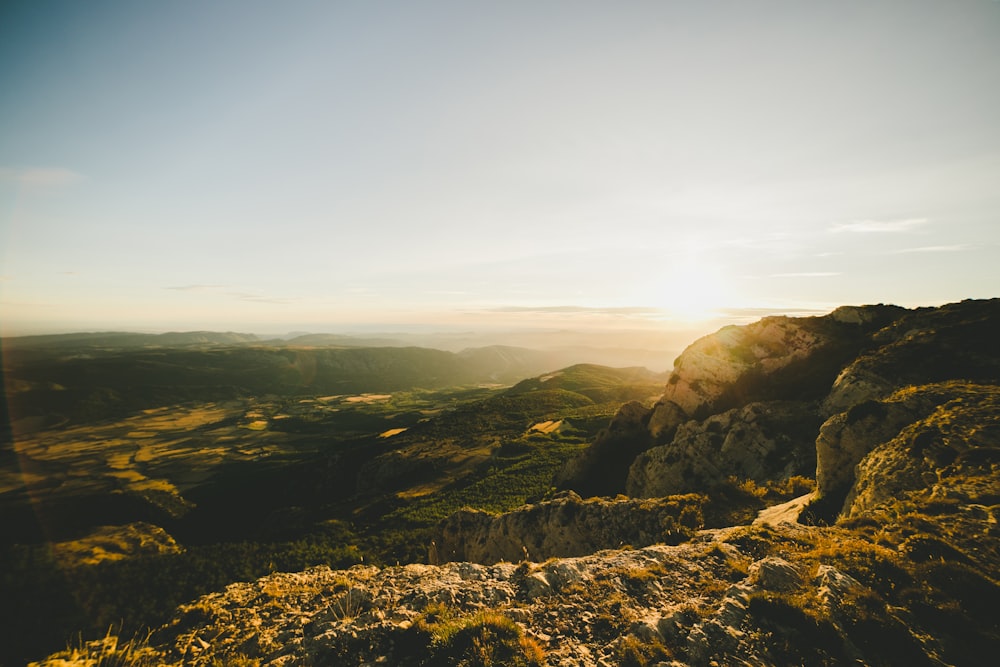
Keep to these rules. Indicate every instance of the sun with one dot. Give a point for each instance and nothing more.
(692, 292)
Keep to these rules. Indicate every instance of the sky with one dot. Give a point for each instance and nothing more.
(337, 166)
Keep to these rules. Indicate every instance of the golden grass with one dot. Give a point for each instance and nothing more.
(368, 398)
(547, 426)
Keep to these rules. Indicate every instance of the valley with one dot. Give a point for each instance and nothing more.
(195, 494)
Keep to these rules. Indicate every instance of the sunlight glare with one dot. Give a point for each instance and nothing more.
(693, 292)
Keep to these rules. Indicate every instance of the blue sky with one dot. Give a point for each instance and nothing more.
(266, 166)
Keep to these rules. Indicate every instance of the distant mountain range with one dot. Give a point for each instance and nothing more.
(81, 377)
(655, 350)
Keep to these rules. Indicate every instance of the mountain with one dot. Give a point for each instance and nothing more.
(820, 490)
(748, 400)
(119, 339)
(80, 378)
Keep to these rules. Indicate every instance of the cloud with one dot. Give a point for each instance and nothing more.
(757, 313)
(242, 296)
(628, 310)
(931, 248)
(257, 298)
(40, 177)
(806, 274)
(878, 226)
(195, 288)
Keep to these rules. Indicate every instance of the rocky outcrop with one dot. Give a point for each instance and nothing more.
(950, 453)
(564, 526)
(926, 345)
(774, 358)
(734, 597)
(940, 439)
(696, 435)
(846, 438)
(760, 441)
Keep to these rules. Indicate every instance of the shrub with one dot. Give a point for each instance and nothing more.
(485, 639)
(634, 652)
(111, 651)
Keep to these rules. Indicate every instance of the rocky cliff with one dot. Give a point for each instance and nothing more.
(748, 401)
(940, 442)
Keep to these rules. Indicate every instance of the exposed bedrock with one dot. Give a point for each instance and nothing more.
(940, 440)
(926, 345)
(697, 433)
(774, 358)
(763, 441)
(564, 526)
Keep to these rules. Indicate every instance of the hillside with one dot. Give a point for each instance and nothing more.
(76, 379)
(124, 518)
(819, 490)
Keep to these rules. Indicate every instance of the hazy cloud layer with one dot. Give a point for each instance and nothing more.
(806, 274)
(932, 248)
(196, 288)
(40, 177)
(578, 309)
(879, 226)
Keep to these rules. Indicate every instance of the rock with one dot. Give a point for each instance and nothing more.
(947, 451)
(845, 439)
(665, 419)
(564, 526)
(918, 439)
(848, 358)
(774, 358)
(833, 586)
(774, 574)
(760, 441)
(926, 345)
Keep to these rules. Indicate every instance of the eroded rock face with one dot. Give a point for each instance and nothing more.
(955, 341)
(774, 358)
(845, 439)
(695, 435)
(761, 441)
(950, 450)
(565, 526)
(940, 438)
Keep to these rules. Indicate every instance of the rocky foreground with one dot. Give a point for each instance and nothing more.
(894, 559)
